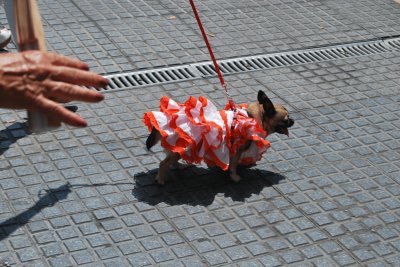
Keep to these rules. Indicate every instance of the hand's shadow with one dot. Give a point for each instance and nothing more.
(199, 186)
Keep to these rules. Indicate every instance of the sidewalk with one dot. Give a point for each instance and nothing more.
(326, 196)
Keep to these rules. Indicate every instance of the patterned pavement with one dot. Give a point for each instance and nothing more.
(326, 196)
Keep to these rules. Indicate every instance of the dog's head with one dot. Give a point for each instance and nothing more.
(273, 118)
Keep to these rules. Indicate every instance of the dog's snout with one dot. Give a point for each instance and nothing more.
(290, 122)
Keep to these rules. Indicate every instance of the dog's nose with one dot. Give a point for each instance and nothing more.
(290, 122)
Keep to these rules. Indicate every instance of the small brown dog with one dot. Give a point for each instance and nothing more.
(196, 131)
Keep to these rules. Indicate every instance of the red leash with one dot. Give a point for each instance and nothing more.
(221, 78)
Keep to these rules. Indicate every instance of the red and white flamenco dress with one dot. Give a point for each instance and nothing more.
(199, 132)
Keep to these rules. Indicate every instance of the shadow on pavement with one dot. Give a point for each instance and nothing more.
(199, 186)
(11, 134)
(50, 198)
(18, 130)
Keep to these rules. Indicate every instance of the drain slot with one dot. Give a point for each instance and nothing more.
(159, 79)
(132, 80)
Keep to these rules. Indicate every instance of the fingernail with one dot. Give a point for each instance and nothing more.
(81, 123)
(105, 81)
(78, 121)
(85, 66)
(99, 96)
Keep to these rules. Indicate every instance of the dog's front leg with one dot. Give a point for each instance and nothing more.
(234, 162)
(171, 158)
(233, 167)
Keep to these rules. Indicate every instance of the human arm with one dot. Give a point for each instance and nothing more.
(37, 81)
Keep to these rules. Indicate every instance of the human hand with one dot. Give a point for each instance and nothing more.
(37, 81)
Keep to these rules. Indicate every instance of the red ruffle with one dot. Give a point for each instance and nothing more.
(246, 129)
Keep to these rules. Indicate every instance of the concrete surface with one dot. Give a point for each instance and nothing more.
(326, 196)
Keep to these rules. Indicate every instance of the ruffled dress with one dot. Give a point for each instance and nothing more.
(199, 132)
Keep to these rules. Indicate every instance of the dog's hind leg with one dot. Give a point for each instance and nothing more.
(170, 159)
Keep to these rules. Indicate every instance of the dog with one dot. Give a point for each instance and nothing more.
(225, 136)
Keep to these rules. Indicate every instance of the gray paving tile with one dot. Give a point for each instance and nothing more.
(326, 196)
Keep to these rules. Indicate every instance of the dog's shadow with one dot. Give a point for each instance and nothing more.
(199, 186)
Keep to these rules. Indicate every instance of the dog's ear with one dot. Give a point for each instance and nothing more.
(269, 109)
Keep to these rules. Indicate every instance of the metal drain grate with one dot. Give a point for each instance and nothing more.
(144, 78)
(245, 64)
(393, 42)
(293, 58)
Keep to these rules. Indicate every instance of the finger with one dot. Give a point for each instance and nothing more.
(39, 57)
(57, 119)
(60, 60)
(55, 110)
(75, 76)
(65, 92)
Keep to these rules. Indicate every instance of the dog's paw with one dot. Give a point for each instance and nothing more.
(235, 177)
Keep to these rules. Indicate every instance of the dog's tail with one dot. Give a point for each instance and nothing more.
(152, 139)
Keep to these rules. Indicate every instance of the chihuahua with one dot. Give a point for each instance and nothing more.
(268, 117)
